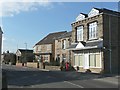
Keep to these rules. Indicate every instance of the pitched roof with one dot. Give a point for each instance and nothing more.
(49, 39)
(105, 10)
(84, 14)
(1, 29)
(87, 45)
(65, 35)
(25, 50)
(95, 43)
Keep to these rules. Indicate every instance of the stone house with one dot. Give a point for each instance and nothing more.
(61, 45)
(44, 50)
(24, 56)
(95, 43)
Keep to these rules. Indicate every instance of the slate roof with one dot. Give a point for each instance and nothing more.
(73, 45)
(84, 14)
(87, 45)
(25, 50)
(90, 44)
(104, 10)
(65, 35)
(49, 39)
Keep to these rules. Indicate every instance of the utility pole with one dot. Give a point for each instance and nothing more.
(25, 45)
(25, 54)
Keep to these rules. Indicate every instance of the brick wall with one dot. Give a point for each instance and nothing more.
(32, 64)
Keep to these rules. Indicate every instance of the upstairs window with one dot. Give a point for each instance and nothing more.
(63, 44)
(93, 30)
(80, 33)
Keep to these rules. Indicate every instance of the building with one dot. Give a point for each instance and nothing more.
(61, 45)
(0, 41)
(44, 50)
(95, 43)
(24, 56)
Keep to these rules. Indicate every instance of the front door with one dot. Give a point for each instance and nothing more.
(86, 61)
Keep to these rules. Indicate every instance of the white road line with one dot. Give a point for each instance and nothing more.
(74, 84)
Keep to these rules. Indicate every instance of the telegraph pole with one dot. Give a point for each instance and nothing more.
(25, 54)
(25, 46)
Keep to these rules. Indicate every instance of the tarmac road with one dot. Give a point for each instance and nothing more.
(23, 77)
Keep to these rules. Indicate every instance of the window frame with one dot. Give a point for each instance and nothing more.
(80, 34)
(92, 30)
(78, 57)
(95, 60)
(64, 44)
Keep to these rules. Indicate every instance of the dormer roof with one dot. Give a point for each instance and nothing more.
(1, 30)
(81, 16)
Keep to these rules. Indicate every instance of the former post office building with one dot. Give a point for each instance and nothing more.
(95, 45)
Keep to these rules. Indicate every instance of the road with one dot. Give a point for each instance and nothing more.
(23, 77)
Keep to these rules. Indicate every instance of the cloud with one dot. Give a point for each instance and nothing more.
(12, 7)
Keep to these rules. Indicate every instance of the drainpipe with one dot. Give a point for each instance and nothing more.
(110, 43)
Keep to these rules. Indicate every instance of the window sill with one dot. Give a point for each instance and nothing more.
(92, 39)
(95, 67)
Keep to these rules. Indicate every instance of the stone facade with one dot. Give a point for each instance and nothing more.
(60, 50)
(107, 30)
(44, 51)
(84, 23)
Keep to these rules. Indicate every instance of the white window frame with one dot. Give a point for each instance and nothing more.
(100, 60)
(79, 61)
(80, 33)
(93, 30)
(64, 44)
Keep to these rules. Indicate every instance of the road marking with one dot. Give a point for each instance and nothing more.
(74, 84)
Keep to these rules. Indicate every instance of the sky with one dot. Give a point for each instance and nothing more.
(29, 22)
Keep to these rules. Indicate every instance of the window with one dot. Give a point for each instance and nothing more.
(93, 30)
(94, 60)
(63, 44)
(80, 33)
(45, 58)
(78, 60)
(63, 57)
(97, 60)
